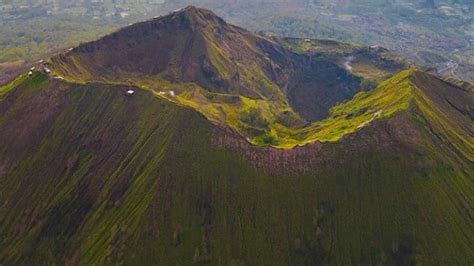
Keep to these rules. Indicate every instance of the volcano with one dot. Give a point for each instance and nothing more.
(186, 140)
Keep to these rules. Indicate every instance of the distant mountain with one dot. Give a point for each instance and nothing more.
(419, 30)
(186, 140)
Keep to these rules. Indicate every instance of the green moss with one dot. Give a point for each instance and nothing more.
(4, 90)
(387, 99)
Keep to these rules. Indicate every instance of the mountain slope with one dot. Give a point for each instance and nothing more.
(107, 169)
(192, 45)
(138, 179)
(262, 87)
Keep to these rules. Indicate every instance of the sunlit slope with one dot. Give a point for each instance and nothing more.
(92, 175)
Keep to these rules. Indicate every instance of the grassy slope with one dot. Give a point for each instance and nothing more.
(267, 127)
(256, 85)
(141, 180)
(4, 90)
(264, 88)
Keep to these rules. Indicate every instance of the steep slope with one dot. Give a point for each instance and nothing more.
(264, 88)
(372, 64)
(192, 45)
(138, 149)
(93, 175)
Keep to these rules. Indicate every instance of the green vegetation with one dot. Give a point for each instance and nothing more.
(32, 29)
(94, 175)
(409, 28)
(372, 64)
(429, 35)
(388, 98)
(259, 120)
(241, 83)
(457, 127)
(140, 180)
(9, 87)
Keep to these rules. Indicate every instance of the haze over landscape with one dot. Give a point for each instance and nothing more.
(296, 132)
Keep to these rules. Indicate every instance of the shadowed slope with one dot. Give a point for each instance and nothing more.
(92, 175)
(191, 45)
(235, 78)
(194, 46)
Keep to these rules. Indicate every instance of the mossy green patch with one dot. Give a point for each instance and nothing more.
(387, 98)
(4, 90)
